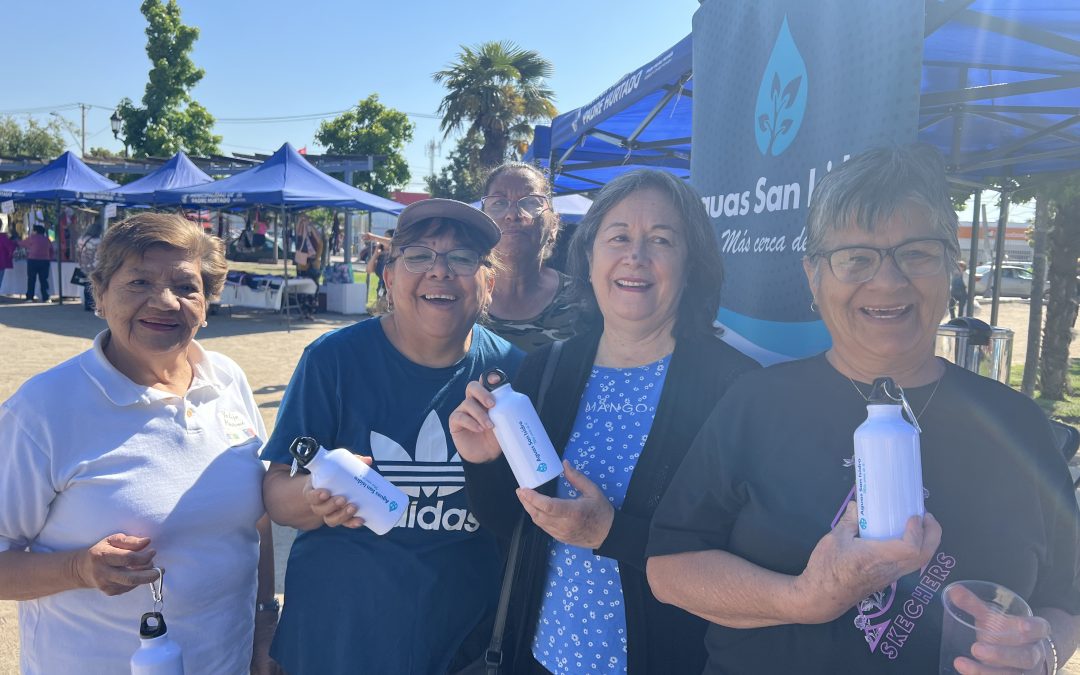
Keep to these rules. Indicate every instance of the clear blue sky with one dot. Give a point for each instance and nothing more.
(294, 57)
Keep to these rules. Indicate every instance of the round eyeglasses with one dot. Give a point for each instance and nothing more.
(497, 206)
(421, 259)
(859, 264)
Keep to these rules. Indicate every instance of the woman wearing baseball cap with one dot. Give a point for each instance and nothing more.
(418, 599)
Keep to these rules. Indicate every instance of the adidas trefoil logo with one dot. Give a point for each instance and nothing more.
(432, 471)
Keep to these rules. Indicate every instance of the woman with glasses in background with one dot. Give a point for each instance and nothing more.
(419, 599)
(532, 305)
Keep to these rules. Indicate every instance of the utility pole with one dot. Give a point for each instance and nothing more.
(82, 147)
(432, 148)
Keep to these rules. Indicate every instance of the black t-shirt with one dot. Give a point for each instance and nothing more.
(771, 473)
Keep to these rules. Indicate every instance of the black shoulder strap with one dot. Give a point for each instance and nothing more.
(493, 657)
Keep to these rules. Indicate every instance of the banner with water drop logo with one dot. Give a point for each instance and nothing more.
(784, 90)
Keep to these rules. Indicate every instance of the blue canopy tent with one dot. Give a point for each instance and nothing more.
(286, 180)
(1000, 96)
(178, 172)
(65, 179)
(643, 120)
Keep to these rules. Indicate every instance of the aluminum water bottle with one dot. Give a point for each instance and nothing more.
(157, 653)
(522, 437)
(888, 466)
(378, 501)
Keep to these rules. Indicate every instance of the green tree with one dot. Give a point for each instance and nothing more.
(462, 177)
(34, 140)
(496, 90)
(1063, 202)
(168, 119)
(371, 128)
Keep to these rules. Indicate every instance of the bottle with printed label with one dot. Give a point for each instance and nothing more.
(888, 466)
(157, 653)
(378, 501)
(522, 437)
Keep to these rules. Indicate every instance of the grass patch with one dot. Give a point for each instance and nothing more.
(1067, 411)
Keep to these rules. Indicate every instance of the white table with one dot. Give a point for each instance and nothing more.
(266, 295)
(15, 280)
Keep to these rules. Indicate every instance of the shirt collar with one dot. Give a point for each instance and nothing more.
(119, 389)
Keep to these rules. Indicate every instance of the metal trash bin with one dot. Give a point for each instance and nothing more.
(977, 346)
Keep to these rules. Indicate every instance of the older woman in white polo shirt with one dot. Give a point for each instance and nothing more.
(141, 452)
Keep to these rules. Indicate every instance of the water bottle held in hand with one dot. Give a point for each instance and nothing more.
(378, 501)
(888, 466)
(522, 437)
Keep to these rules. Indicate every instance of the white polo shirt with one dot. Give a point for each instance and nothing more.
(85, 453)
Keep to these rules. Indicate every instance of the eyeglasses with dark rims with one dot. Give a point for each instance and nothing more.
(859, 264)
(420, 259)
(497, 206)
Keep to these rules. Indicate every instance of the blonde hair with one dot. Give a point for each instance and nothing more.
(140, 233)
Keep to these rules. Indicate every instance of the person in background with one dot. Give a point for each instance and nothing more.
(532, 305)
(759, 531)
(308, 257)
(39, 253)
(335, 235)
(7, 254)
(626, 399)
(418, 600)
(958, 290)
(142, 451)
(86, 250)
(376, 261)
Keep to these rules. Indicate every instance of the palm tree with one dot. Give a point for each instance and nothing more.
(495, 90)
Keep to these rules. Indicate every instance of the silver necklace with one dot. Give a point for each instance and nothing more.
(903, 400)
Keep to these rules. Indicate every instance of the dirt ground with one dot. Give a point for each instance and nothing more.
(36, 337)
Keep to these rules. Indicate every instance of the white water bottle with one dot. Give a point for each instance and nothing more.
(378, 501)
(888, 466)
(522, 437)
(157, 653)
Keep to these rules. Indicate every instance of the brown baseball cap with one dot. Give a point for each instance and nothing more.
(450, 208)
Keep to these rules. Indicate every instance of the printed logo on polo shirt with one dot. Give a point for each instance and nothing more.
(429, 472)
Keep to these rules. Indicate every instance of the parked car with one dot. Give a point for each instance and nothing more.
(1015, 280)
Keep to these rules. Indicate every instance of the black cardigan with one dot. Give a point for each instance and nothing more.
(660, 638)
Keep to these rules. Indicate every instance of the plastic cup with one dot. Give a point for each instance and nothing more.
(977, 611)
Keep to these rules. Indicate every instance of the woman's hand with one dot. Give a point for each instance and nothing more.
(471, 428)
(1004, 643)
(261, 663)
(843, 569)
(334, 511)
(584, 521)
(116, 564)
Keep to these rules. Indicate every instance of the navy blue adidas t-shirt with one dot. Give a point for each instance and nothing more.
(403, 602)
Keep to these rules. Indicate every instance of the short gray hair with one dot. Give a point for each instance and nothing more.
(704, 267)
(870, 187)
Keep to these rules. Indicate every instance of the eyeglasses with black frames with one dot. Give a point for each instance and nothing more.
(421, 259)
(859, 264)
(532, 205)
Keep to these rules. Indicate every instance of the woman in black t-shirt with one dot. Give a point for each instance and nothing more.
(757, 532)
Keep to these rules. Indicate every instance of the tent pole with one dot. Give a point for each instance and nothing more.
(999, 254)
(973, 255)
(59, 249)
(285, 262)
(345, 248)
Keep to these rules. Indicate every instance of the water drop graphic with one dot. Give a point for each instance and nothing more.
(781, 100)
